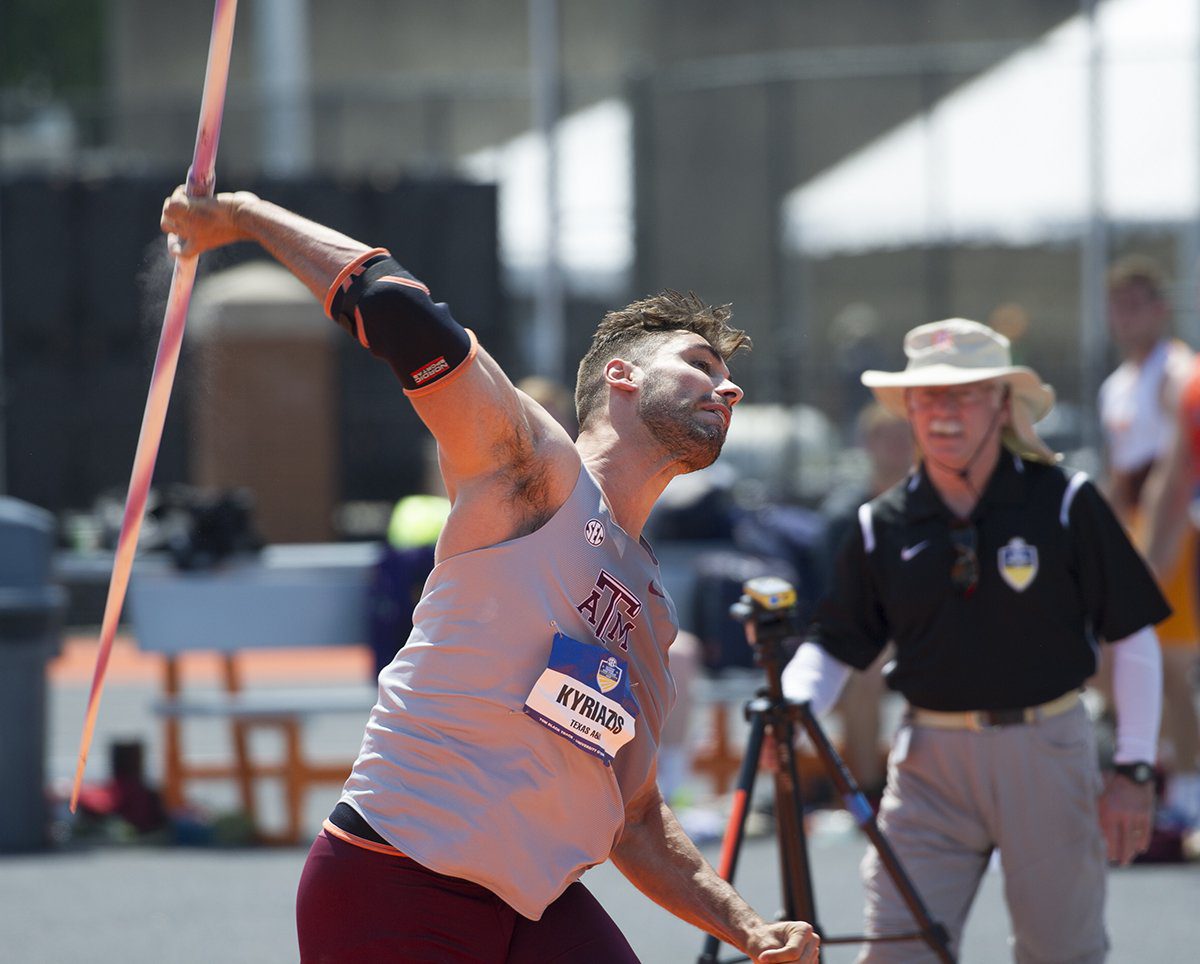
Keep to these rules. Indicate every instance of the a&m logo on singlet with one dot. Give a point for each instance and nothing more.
(608, 674)
(1018, 563)
(611, 609)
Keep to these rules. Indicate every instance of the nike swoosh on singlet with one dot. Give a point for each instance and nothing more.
(654, 590)
(908, 552)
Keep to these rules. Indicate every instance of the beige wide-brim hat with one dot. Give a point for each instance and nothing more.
(958, 351)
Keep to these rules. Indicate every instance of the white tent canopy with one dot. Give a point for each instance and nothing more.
(1005, 158)
(594, 195)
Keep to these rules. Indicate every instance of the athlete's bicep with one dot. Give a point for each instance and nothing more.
(458, 390)
(484, 425)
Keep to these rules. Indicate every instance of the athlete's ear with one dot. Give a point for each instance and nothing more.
(622, 375)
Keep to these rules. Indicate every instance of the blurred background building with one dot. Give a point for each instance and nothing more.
(839, 170)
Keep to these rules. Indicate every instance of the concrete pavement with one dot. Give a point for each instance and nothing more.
(178, 905)
(187, 906)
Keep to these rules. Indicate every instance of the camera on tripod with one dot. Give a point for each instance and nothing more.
(767, 609)
(768, 612)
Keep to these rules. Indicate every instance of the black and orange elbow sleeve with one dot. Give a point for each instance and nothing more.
(392, 315)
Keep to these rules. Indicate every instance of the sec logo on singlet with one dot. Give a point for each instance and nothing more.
(593, 532)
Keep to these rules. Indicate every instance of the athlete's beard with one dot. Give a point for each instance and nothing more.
(676, 424)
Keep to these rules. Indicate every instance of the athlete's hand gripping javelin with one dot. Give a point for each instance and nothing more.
(211, 222)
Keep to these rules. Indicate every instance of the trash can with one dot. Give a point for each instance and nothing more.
(30, 617)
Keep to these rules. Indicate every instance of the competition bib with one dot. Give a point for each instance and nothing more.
(583, 695)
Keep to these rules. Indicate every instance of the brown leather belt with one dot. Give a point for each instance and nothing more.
(979, 720)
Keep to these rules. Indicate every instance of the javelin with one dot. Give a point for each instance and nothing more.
(200, 181)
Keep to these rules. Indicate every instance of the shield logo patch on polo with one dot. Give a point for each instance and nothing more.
(1018, 562)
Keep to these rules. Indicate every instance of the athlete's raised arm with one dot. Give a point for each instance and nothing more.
(485, 428)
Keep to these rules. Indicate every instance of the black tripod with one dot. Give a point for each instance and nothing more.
(768, 611)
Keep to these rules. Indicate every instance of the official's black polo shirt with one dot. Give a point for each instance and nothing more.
(1056, 573)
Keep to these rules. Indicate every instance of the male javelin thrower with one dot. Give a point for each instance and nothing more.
(513, 743)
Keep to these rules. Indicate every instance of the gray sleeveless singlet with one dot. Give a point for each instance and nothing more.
(454, 772)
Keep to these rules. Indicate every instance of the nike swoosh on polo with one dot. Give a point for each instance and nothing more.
(909, 552)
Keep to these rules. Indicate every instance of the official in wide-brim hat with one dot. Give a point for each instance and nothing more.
(958, 351)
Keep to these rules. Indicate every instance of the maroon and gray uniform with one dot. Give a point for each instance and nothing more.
(456, 772)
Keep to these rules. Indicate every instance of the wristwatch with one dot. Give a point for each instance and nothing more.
(1140, 773)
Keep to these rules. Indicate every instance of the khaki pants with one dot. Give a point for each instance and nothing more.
(1031, 791)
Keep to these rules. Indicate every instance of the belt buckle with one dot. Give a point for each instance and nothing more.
(986, 720)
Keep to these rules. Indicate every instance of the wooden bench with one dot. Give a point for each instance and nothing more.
(288, 597)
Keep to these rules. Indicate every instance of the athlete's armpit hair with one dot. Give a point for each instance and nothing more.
(526, 479)
(634, 331)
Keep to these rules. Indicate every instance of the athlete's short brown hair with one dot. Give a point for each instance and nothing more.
(635, 331)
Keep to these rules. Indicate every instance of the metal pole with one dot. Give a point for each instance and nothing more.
(642, 105)
(1187, 290)
(281, 40)
(778, 382)
(546, 344)
(3, 379)
(1093, 317)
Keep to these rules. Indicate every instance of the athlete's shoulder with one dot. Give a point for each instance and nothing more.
(1180, 358)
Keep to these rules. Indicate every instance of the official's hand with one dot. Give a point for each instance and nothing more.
(194, 225)
(1127, 817)
(785, 941)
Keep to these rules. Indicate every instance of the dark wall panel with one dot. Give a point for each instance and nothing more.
(84, 280)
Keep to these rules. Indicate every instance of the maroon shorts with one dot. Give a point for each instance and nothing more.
(355, 905)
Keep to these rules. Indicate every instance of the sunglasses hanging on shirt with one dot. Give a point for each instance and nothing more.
(964, 572)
